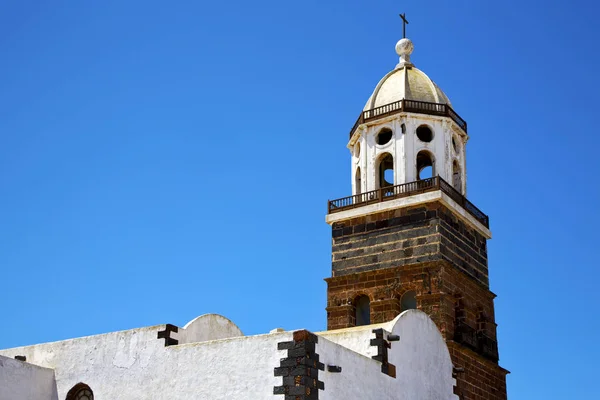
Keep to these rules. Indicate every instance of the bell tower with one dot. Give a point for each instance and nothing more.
(390, 151)
(408, 237)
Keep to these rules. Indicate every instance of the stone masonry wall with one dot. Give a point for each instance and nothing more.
(426, 249)
(406, 236)
(477, 300)
(438, 285)
(384, 287)
(384, 240)
(478, 379)
(463, 246)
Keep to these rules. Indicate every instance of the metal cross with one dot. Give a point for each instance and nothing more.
(404, 23)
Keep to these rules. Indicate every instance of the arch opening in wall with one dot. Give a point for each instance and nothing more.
(357, 181)
(81, 391)
(425, 165)
(408, 301)
(425, 133)
(362, 310)
(357, 150)
(384, 136)
(385, 170)
(455, 145)
(456, 176)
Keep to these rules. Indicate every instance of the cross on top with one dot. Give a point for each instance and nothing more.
(404, 23)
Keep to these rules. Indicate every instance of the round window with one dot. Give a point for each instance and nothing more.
(384, 136)
(424, 133)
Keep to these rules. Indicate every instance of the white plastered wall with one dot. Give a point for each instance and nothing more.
(404, 147)
(24, 381)
(135, 364)
(421, 357)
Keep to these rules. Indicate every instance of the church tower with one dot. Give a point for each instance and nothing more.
(408, 237)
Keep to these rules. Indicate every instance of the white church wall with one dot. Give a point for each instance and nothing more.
(422, 360)
(135, 364)
(404, 148)
(356, 338)
(24, 381)
(361, 377)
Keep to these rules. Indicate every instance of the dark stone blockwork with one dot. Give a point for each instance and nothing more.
(407, 236)
(300, 369)
(166, 334)
(382, 353)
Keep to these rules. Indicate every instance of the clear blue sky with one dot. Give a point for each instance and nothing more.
(161, 160)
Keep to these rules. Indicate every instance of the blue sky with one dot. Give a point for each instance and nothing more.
(161, 161)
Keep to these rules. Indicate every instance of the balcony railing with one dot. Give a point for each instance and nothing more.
(405, 190)
(419, 107)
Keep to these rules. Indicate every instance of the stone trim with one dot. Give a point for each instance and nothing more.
(166, 334)
(300, 369)
(382, 353)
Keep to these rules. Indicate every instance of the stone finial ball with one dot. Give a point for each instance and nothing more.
(404, 47)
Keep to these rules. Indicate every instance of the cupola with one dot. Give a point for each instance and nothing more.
(407, 132)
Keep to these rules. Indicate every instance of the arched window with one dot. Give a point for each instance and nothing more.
(81, 391)
(357, 181)
(386, 171)
(362, 310)
(425, 165)
(455, 144)
(408, 301)
(456, 176)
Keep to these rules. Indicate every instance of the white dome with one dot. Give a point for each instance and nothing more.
(408, 83)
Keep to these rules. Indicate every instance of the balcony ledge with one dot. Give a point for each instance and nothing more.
(409, 201)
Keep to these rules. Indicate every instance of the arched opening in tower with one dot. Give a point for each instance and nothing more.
(456, 176)
(425, 165)
(455, 145)
(362, 310)
(386, 171)
(357, 182)
(408, 301)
